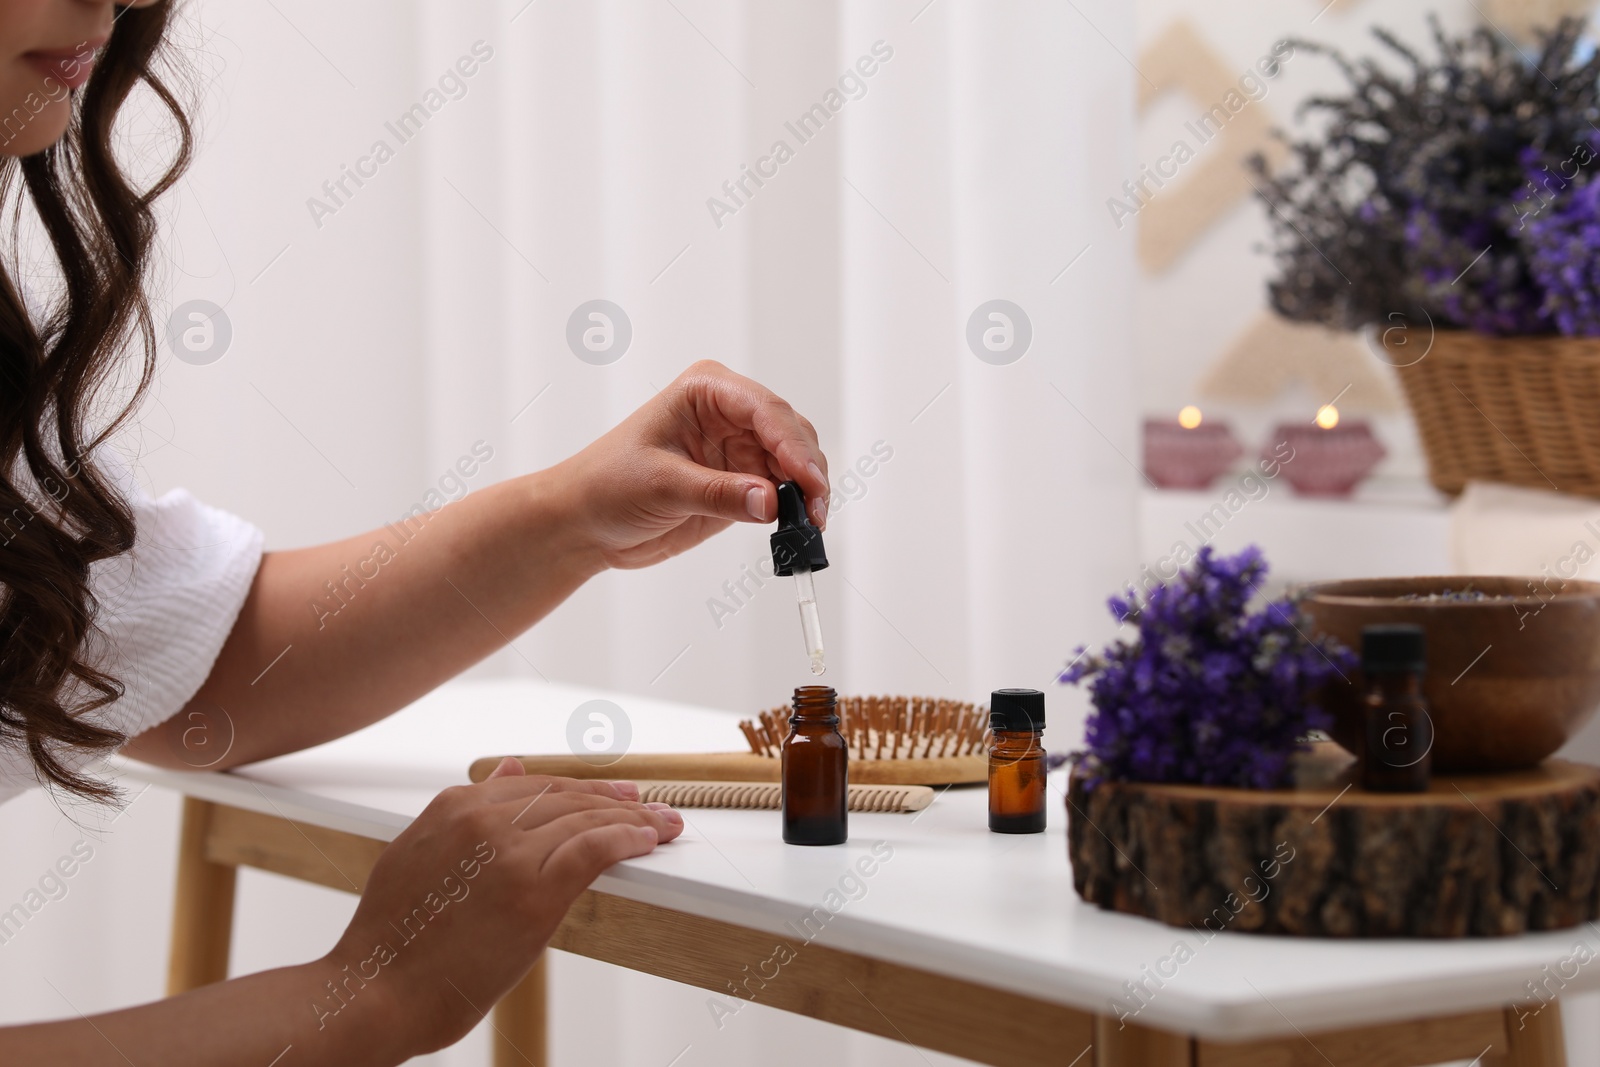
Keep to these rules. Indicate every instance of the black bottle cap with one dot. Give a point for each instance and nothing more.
(796, 544)
(1393, 647)
(1016, 709)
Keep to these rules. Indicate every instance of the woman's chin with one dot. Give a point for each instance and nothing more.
(24, 134)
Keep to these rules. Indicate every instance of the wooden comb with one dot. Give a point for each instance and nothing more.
(767, 796)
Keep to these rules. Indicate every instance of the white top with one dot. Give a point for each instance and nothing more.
(950, 897)
(165, 608)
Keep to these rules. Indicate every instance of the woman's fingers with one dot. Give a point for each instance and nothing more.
(786, 436)
(543, 809)
(666, 822)
(580, 859)
(691, 489)
(705, 452)
(500, 786)
(578, 847)
(510, 767)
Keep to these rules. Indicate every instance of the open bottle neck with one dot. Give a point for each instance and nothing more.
(815, 705)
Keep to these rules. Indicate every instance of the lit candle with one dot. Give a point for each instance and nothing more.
(1189, 417)
(1327, 416)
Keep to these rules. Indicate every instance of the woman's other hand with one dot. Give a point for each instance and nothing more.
(460, 905)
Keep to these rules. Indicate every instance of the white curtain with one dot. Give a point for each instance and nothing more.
(979, 551)
(990, 505)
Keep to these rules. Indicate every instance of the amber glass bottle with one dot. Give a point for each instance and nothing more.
(1399, 732)
(814, 770)
(1016, 761)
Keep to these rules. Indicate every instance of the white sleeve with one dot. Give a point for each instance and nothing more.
(166, 607)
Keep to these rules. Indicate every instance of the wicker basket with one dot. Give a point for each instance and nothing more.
(1522, 410)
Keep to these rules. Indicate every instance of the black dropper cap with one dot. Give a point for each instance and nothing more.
(796, 544)
(1393, 647)
(1016, 709)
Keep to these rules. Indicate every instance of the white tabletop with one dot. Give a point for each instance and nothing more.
(952, 898)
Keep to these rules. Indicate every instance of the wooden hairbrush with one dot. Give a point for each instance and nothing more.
(892, 740)
(895, 740)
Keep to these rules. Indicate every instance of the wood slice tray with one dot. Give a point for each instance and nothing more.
(742, 767)
(1477, 855)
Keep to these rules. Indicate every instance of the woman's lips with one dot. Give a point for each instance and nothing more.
(69, 66)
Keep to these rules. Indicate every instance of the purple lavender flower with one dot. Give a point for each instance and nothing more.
(1207, 691)
(1562, 245)
(1473, 274)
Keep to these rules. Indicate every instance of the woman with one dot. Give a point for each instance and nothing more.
(117, 612)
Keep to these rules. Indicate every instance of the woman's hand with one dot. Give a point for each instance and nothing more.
(460, 905)
(456, 910)
(705, 452)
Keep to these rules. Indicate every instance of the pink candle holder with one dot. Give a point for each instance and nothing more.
(1326, 462)
(1180, 458)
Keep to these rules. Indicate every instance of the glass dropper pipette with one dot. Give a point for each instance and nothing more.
(810, 625)
(797, 550)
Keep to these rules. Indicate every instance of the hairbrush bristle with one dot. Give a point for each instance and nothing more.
(883, 727)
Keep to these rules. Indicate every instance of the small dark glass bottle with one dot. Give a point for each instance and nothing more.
(1016, 761)
(815, 772)
(1399, 731)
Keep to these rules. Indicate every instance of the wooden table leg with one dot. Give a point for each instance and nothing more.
(202, 914)
(520, 1039)
(1534, 1037)
(1119, 1044)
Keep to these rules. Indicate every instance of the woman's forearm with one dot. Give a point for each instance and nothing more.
(334, 637)
(247, 1021)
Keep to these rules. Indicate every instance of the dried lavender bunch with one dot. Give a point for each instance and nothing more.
(1417, 192)
(1208, 691)
(1565, 260)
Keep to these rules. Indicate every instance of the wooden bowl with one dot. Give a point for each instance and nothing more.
(1509, 679)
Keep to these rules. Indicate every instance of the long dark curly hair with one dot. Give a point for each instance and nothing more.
(58, 515)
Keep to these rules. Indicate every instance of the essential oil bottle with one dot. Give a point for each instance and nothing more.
(1399, 732)
(1016, 761)
(815, 773)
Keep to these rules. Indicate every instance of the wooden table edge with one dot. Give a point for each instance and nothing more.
(737, 965)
